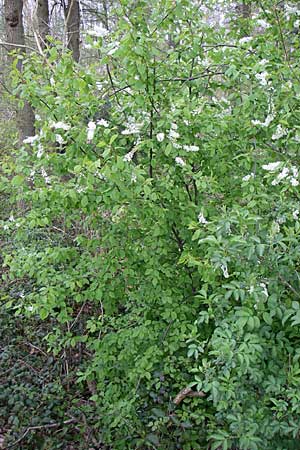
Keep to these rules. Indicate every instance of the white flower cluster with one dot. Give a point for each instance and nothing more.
(225, 270)
(173, 134)
(270, 116)
(281, 176)
(128, 157)
(98, 31)
(59, 125)
(191, 148)
(263, 24)
(201, 218)
(296, 214)
(267, 121)
(112, 48)
(262, 78)
(296, 24)
(91, 128)
(45, 176)
(279, 133)
(160, 137)
(290, 174)
(103, 123)
(31, 139)
(271, 167)
(248, 177)
(291, 10)
(264, 289)
(245, 40)
(179, 161)
(40, 151)
(132, 127)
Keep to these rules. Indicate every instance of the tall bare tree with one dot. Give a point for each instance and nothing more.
(72, 20)
(16, 41)
(42, 12)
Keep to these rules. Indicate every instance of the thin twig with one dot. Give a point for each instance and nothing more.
(41, 427)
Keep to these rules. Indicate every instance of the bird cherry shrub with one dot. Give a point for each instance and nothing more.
(160, 226)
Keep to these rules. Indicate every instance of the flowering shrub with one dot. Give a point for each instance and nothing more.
(163, 237)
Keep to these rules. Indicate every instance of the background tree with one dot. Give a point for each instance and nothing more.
(72, 21)
(16, 41)
(43, 21)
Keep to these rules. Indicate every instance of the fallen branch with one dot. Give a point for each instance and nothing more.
(187, 392)
(41, 427)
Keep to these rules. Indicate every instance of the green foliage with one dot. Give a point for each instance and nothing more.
(163, 237)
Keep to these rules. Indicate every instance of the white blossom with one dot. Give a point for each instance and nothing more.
(290, 9)
(160, 137)
(225, 270)
(262, 23)
(191, 148)
(245, 39)
(132, 127)
(91, 128)
(297, 23)
(262, 78)
(174, 126)
(294, 182)
(283, 174)
(173, 134)
(45, 175)
(179, 161)
(270, 116)
(267, 121)
(275, 228)
(201, 218)
(263, 62)
(296, 214)
(271, 167)
(133, 178)
(40, 151)
(176, 145)
(294, 171)
(11, 218)
(60, 125)
(98, 31)
(248, 177)
(103, 123)
(128, 157)
(264, 289)
(52, 81)
(59, 139)
(30, 139)
(279, 133)
(113, 48)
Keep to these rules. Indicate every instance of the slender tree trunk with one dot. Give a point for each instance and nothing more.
(15, 36)
(72, 18)
(43, 21)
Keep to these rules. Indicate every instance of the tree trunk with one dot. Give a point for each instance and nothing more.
(72, 18)
(15, 36)
(244, 10)
(43, 21)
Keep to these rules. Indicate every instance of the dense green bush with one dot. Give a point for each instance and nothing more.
(160, 232)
